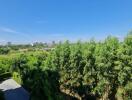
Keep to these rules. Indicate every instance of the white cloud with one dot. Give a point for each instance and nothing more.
(41, 21)
(56, 35)
(14, 32)
(2, 41)
(8, 30)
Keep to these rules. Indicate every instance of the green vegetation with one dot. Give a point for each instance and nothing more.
(87, 70)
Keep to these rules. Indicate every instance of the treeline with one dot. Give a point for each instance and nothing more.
(90, 70)
(11, 48)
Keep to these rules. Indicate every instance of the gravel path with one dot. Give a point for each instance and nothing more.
(13, 91)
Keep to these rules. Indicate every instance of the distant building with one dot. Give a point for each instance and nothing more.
(9, 43)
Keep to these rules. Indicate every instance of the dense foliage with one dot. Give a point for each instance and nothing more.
(83, 70)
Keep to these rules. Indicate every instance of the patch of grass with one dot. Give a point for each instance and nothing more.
(16, 76)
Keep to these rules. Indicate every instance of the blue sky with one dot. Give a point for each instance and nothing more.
(26, 21)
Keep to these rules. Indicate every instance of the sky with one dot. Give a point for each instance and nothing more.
(27, 21)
